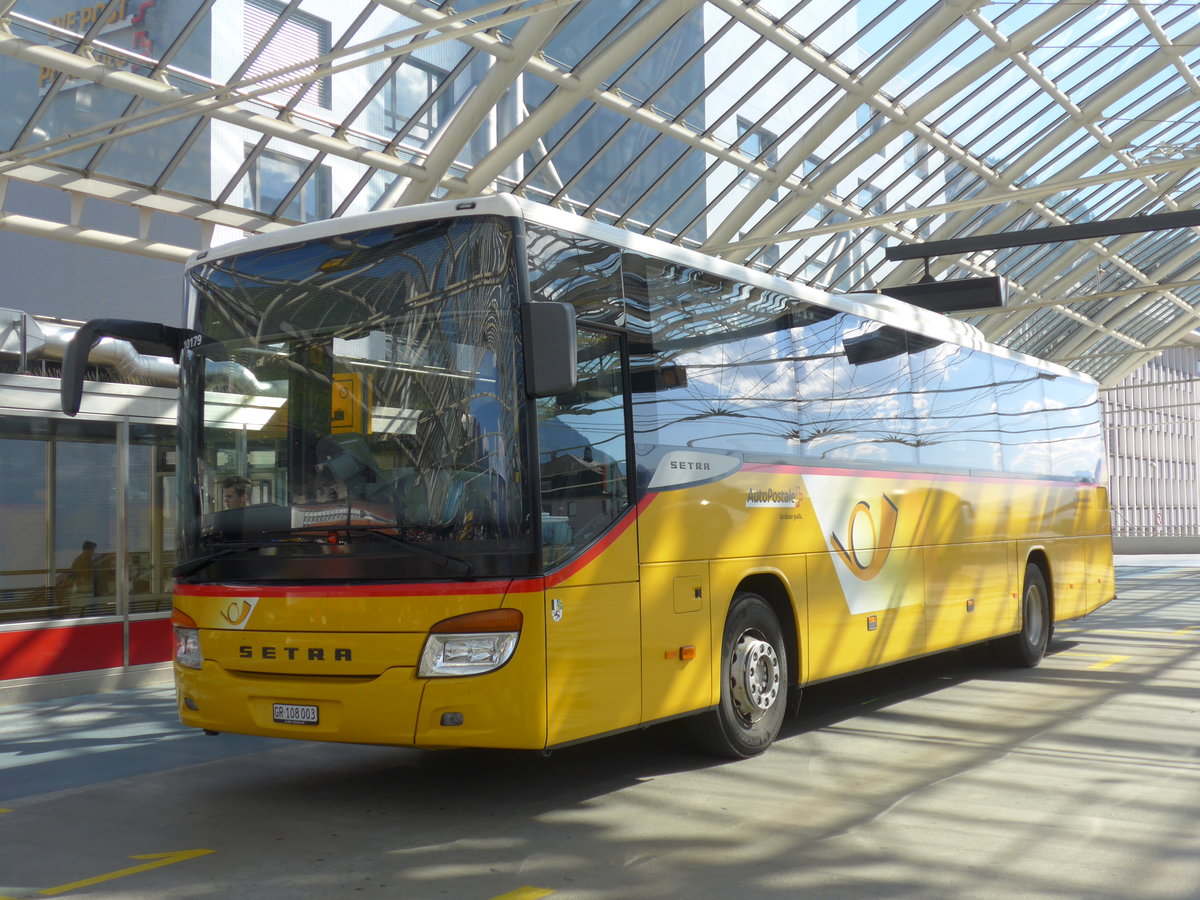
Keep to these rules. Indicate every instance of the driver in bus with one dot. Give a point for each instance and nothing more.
(236, 491)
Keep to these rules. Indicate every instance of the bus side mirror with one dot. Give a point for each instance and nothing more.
(152, 338)
(551, 361)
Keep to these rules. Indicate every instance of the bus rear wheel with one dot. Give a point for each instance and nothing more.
(1026, 648)
(754, 683)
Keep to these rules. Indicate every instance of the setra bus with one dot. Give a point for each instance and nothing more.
(487, 474)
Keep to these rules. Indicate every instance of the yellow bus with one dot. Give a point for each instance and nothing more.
(486, 474)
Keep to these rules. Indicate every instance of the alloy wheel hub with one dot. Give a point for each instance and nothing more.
(754, 677)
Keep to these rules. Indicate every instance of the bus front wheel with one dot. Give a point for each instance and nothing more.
(754, 683)
(1026, 648)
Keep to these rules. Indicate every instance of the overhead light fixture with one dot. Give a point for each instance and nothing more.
(952, 296)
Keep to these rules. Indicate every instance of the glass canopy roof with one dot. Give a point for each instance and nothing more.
(804, 138)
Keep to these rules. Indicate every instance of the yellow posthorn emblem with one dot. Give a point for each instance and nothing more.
(880, 543)
(237, 612)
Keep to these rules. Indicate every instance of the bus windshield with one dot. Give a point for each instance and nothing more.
(352, 412)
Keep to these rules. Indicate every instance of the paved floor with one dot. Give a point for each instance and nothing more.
(936, 779)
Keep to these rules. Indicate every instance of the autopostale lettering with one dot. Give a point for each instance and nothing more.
(311, 654)
(772, 497)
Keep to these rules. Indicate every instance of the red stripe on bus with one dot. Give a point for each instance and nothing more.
(601, 545)
(786, 469)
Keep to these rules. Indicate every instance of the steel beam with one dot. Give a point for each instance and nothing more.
(1054, 235)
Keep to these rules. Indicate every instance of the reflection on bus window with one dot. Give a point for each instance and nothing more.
(581, 440)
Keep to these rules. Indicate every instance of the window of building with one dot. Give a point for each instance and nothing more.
(817, 211)
(766, 256)
(77, 540)
(301, 37)
(759, 144)
(872, 200)
(408, 90)
(871, 121)
(916, 157)
(271, 178)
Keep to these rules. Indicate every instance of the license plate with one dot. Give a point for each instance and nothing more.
(294, 714)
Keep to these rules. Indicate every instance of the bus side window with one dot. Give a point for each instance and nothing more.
(576, 270)
(714, 361)
(863, 412)
(581, 440)
(1021, 412)
(1074, 441)
(955, 400)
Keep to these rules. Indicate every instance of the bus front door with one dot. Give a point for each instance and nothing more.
(589, 537)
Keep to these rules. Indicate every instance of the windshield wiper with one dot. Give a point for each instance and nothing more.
(451, 563)
(195, 565)
(459, 567)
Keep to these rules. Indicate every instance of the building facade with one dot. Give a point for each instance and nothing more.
(87, 532)
(1153, 435)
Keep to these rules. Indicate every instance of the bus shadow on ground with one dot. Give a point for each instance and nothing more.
(587, 769)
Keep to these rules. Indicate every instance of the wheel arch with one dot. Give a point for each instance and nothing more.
(1038, 557)
(771, 588)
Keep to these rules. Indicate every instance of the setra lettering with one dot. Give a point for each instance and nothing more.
(312, 654)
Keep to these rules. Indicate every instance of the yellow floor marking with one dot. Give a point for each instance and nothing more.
(1111, 661)
(160, 860)
(1186, 630)
(525, 893)
(1105, 661)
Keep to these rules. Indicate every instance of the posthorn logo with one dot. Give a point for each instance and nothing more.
(868, 543)
(237, 613)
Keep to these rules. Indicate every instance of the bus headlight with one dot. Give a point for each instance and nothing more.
(471, 644)
(187, 640)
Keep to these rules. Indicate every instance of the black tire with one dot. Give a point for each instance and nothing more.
(1026, 648)
(754, 683)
